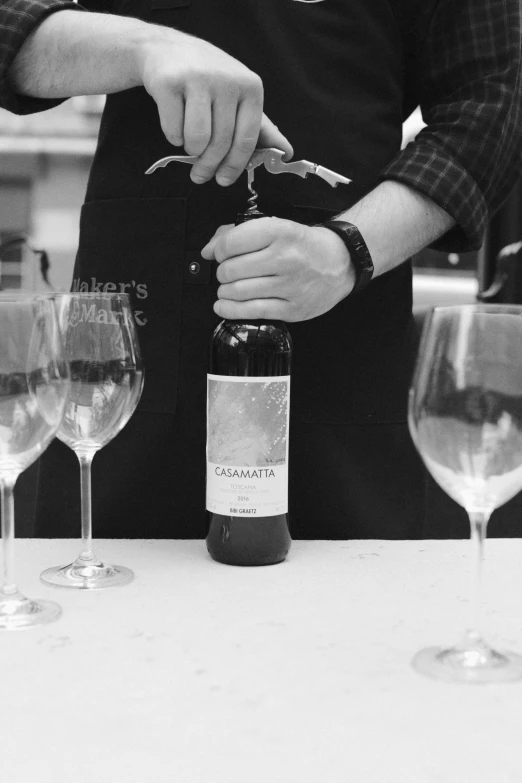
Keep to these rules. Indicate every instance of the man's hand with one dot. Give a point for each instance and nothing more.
(277, 269)
(209, 103)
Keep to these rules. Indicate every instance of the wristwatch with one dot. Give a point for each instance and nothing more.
(359, 253)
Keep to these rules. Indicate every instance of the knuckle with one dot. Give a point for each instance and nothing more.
(240, 150)
(222, 274)
(159, 82)
(253, 85)
(198, 133)
(230, 88)
(193, 148)
(286, 228)
(243, 146)
(196, 141)
(222, 251)
(220, 146)
(172, 135)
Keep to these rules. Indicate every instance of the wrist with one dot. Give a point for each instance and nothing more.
(361, 260)
(146, 44)
(340, 261)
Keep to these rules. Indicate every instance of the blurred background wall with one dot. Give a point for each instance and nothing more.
(44, 164)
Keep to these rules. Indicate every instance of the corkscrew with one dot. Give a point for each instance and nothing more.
(252, 199)
(272, 159)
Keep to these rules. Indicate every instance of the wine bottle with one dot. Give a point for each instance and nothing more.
(248, 400)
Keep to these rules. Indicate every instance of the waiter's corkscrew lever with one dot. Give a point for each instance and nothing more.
(272, 159)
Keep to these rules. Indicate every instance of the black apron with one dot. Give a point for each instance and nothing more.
(334, 84)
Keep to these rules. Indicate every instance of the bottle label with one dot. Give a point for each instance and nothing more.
(247, 445)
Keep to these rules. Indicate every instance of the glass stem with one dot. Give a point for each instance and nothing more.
(85, 459)
(479, 522)
(6, 488)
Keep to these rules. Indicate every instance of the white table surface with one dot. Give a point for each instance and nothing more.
(296, 673)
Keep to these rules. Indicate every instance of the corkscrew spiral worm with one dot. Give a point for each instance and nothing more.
(252, 201)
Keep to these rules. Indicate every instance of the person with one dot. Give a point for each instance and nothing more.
(216, 80)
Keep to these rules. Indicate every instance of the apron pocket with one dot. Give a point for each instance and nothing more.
(136, 246)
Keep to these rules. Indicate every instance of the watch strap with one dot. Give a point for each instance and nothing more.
(358, 250)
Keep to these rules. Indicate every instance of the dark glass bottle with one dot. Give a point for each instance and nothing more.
(248, 437)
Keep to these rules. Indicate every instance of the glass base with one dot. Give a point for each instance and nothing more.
(87, 575)
(471, 663)
(18, 612)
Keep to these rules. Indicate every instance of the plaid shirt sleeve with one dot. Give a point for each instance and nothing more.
(17, 20)
(469, 156)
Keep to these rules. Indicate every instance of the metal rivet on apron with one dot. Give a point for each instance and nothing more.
(194, 267)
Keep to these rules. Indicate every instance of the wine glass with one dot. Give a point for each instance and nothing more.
(101, 348)
(465, 418)
(34, 383)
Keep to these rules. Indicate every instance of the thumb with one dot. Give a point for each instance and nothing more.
(271, 136)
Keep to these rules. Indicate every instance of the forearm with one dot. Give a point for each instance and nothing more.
(73, 53)
(469, 155)
(207, 101)
(396, 222)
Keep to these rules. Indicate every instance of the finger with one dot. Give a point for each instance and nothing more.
(247, 129)
(245, 238)
(258, 309)
(223, 122)
(208, 250)
(171, 111)
(198, 122)
(271, 136)
(252, 288)
(260, 264)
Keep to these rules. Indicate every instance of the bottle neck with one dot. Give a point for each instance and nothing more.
(244, 217)
(254, 322)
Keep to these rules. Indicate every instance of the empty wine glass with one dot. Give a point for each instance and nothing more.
(34, 383)
(465, 418)
(101, 348)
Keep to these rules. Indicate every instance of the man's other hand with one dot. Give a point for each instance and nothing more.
(279, 270)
